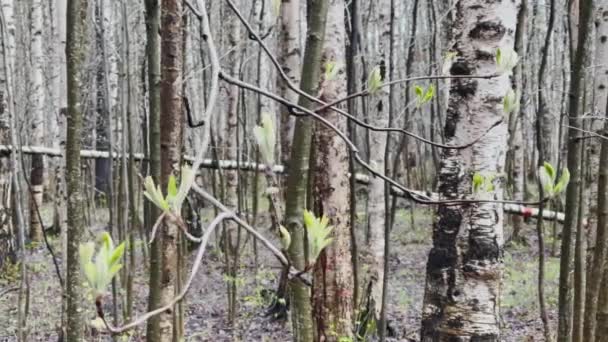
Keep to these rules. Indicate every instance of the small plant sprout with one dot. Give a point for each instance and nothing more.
(172, 203)
(511, 102)
(318, 234)
(265, 138)
(548, 176)
(331, 70)
(506, 60)
(483, 183)
(100, 270)
(374, 83)
(448, 59)
(285, 237)
(424, 95)
(276, 7)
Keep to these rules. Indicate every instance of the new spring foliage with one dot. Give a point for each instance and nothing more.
(175, 196)
(318, 230)
(100, 269)
(548, 176)
(264, 135)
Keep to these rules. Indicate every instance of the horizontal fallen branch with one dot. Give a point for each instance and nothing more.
(513, 209)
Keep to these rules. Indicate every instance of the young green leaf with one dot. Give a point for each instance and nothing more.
(430, 93)
(477, 182)
(117, 254)
(375, 81)
(511, 102)
(447, 62)
(276, 7)
(100, 269)
(318, 234)
(331, 70)
(550, 171)
(186, 181)
(506, 60)
(171, 188)
(546, 181)
(154, 194)
(564, 179)
(285, 237)
(423, 95)
(265, 137)
(419, 91)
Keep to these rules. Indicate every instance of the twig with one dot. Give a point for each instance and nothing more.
(6, 291)
(195, 267)
(417, 196)
(253, 35)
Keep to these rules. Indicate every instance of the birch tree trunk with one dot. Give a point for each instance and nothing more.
(171, 119)
(75, 53)
(464, 268)
(596, 311)
(377, 187)
(37, 99)
(7, 240)
(290, 57)
(333, 272)
(516, 152)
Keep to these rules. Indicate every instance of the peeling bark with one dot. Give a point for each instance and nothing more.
(464, 268)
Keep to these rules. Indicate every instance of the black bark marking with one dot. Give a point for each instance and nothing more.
(488, 30)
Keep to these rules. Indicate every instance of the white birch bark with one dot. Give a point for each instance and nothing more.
(464, 268)
(290, 57)
(377, 187)
(37, 101)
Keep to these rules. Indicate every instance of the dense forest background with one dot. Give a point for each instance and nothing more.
(306, 170)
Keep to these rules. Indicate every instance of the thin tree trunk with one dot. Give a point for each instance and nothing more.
(297, 180)
(171, 119)
(290, 59)
(515, 154)
(541, 141)
(37, 99)
(153, 64)
(575, 109)
(230, 145)
(75, 52)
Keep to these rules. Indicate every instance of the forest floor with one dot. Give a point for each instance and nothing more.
(206, 312)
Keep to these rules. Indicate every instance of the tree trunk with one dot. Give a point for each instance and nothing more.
(153, 64)
(464, 268)
(171, 119)
(75, 52)
(229, 141)
(290, 58)
(575, 109)
(297, 180)
(516, 126)
(102, 166)
(37, 99)
(377, 187)
(333, 272)
(601, 107)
